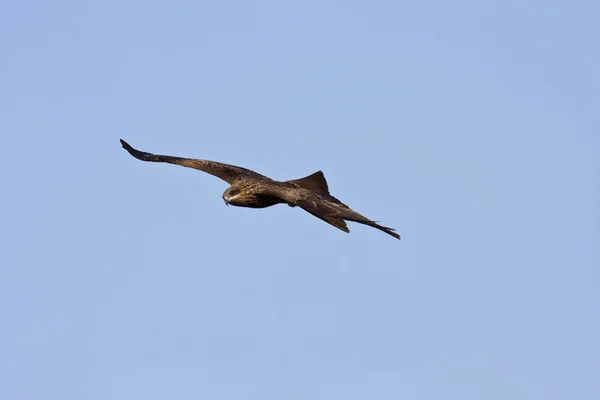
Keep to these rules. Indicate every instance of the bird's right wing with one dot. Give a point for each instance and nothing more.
(332, 212)
(327, 211)
(229, 173)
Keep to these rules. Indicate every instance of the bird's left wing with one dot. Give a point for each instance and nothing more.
(229, 173)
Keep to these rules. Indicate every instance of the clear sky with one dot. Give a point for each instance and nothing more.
(472, 127)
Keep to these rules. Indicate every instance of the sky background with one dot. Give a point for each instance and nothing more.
(472, 127)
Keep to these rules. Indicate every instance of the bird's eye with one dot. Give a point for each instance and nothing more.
(232, 193)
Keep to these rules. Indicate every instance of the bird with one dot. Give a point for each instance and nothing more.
(253, 190)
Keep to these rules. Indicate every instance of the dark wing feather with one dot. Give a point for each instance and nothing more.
(229, 173)
(337, 222)
(331, 211)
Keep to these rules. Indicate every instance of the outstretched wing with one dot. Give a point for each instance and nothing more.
(333, 212)
(229, 173)
(329, 211)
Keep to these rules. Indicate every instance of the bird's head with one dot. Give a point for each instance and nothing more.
(234, 196)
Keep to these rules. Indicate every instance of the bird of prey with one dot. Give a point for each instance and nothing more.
(253, 190)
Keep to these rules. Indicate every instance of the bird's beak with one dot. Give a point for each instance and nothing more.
(226, 203)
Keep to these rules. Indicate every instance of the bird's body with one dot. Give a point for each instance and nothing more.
(253, 190)
(251, 193)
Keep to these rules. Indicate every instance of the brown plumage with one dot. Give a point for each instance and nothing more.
(253, 190)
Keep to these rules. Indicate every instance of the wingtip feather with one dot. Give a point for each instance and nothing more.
(125, 145)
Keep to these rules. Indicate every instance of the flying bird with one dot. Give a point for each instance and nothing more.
(253, 190)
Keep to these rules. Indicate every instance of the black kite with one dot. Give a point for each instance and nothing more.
(251, 189)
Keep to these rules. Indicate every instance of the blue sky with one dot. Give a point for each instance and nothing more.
(470, 127)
